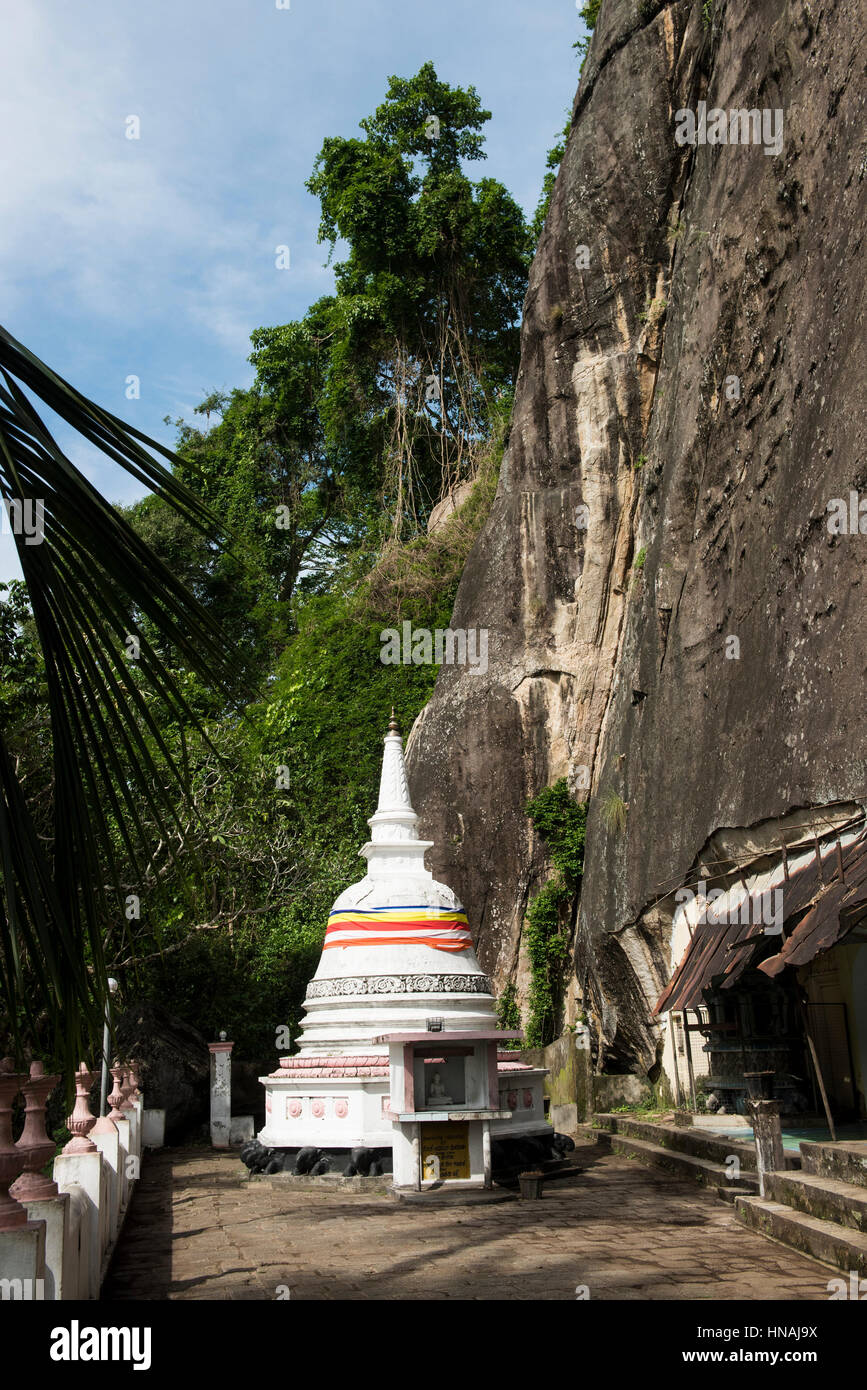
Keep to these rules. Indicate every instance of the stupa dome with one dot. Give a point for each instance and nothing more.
(398, 947)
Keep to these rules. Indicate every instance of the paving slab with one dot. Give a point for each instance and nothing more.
(196, 1230)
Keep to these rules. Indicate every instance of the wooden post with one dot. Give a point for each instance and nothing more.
(688, 1047)
(678, 1094)
(819, 869)
(818, 1070)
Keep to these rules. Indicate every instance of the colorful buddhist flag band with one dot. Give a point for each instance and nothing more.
(399, 926)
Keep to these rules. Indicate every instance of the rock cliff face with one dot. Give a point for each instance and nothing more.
(670, 620)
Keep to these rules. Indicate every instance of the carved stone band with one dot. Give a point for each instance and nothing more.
(400, 984)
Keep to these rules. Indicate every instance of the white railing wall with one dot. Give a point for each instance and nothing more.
(57, 1235)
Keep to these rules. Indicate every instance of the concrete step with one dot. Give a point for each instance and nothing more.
(834, 1245)
(715, 1148)
(829, 1199)
(452, 1195)
(845, 1161)
(681, 1165)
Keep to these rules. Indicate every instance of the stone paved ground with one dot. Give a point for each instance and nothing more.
(626, 1231)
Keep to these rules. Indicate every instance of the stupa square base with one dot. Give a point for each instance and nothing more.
(342, 1112)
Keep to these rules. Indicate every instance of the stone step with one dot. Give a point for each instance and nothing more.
(452, 1195)
(834, 1245)
(730, 1192)
(686, 1140)
(845, 1161)
(681, 1165)
(829, 1199)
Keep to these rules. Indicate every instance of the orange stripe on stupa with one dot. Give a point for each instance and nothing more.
(399, 926)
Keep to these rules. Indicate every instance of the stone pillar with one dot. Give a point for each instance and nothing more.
(22, 1260)
(12, 1158)
(416, 1155)
(486, 1152)
(770, 1157)
(120, 1119)
(80, 1165)
(61, 1281)
(221, 1091)
(131, 1111)
(106, 1138)
(85, 1171)
(153, 1129)
(34, 1143)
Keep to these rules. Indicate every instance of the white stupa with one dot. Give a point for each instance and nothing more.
(398, 953)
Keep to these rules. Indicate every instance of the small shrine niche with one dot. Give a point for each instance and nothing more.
(441, 1079)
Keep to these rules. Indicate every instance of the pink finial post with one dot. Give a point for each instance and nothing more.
(81, 1121)
(115, 1100)
(35, 1145)
(12, 1214)
(126, 1089)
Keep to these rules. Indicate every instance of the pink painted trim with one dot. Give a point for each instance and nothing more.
(220, 1047)
(335, 1073)
(335, 1059)
(501, 1035)
(408, 1079)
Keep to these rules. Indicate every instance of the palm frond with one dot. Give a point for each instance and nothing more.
(90, 580)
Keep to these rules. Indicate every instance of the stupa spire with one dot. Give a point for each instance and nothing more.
(394, 845)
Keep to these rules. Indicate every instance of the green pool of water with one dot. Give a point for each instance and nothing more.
(793, 1137)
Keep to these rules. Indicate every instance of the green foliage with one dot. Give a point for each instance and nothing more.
(614, 811)
(707, 13)
(22, 670)
(423, 331)
(323, 472)
(508, 1009)
(87, 586)
(589, 13)
(249, 901)
(561, 823)
(552, 165)
(640, 559)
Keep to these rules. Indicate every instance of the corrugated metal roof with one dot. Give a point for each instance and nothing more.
(839, 907)
(719, 952)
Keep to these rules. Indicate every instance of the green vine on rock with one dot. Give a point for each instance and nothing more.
(561, 823)
(508, 1009)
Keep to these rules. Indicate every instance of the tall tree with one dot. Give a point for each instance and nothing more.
(425, 333)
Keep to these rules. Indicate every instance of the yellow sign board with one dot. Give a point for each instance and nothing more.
(445, 1150)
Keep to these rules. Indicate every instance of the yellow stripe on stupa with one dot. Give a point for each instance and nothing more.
(399, 926)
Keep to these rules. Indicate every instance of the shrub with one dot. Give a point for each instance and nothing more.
(561, 823)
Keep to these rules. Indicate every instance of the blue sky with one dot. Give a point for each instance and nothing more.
(156, 257)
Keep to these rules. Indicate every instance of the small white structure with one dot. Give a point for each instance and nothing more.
(228, 1131)
(221, 1091)
(446, 1090)
(398, 970)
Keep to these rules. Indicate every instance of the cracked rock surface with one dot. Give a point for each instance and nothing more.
(688, 405)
